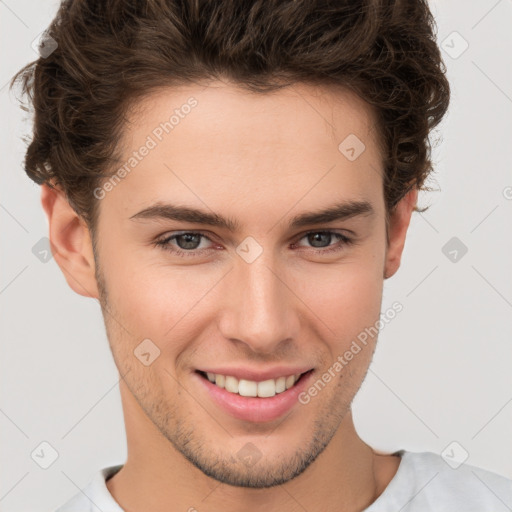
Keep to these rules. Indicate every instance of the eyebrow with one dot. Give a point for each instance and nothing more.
(339, 211)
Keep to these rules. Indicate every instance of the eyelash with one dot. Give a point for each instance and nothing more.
(165, 243)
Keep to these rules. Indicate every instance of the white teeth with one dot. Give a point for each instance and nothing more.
(267, 388)
(231, 384)
(220, 380)
(243, 387)
(247, 388)
(290, 381)
(280, 384)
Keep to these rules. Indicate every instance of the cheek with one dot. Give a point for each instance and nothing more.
(158, 301)
(346, 297)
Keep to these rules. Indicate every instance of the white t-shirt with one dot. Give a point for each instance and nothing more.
(423, 482)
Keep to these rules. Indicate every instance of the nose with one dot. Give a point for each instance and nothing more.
(259, 308)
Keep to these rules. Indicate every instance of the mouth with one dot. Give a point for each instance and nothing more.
(253, 401)
(249, 388)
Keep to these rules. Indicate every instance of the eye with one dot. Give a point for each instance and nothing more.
(187, 243)
(320, 238)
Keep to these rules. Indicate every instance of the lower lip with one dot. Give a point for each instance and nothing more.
(256, 409)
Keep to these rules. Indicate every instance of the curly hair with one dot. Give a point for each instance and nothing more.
(110, 53)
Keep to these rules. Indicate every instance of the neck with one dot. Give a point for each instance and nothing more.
(346, 476)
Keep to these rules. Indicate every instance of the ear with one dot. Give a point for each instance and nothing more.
(70, 242)
(397, 229)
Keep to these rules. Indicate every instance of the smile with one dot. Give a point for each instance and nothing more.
(250, 388)
(253, 401)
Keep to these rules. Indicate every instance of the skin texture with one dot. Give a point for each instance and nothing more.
(259, 159)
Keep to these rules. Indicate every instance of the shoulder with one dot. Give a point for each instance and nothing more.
(95, 495)
(426, 481)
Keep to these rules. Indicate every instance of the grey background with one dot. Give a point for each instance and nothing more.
(441, 372)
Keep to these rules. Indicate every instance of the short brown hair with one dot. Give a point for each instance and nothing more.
(111, 52)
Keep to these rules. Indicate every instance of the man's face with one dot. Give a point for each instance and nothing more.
(263, 296)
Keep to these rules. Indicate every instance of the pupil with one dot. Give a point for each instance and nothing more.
(188, 236)
(315, 238)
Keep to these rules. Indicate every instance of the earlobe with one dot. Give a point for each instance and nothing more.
(70, 242)
(398, 225)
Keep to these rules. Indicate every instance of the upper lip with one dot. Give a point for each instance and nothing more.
(258, 375)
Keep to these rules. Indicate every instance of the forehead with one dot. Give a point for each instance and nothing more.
(309, 111)
(209, 143)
